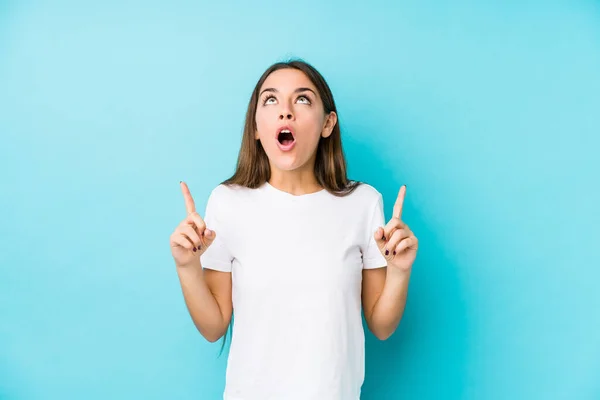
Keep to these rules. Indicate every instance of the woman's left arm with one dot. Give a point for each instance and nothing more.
(384, 290)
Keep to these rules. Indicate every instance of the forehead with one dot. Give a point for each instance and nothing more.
(287, 80)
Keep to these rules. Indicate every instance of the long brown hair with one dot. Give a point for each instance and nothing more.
(253, 167)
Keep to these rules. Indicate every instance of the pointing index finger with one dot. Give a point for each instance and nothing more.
(399, 203)
(190, 206)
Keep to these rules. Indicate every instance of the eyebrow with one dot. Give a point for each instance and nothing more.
(302, 89)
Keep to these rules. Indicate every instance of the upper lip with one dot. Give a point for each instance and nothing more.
(283, 128)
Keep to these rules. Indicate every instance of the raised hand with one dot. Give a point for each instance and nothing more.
(396, 241)
(191, 238)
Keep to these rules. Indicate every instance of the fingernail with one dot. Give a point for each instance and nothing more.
(387, 252)
(194, 249)
(394, 252)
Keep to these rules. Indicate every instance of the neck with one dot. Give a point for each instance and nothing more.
(296, 182)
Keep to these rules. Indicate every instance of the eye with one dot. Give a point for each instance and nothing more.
(268, 99)
(303, 99)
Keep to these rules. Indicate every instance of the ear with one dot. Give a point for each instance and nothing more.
(330, 122)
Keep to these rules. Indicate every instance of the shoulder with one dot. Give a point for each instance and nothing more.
(222, 199)
(225, 195)
(230, 190)
(363, 200)
(366, 194)
(224, 191)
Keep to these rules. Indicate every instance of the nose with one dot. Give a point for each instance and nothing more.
(285, 115)
(286, 112)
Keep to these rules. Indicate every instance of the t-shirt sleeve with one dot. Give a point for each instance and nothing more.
(372, 257)
(217, 256)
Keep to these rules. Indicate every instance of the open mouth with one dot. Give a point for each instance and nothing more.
(285, 137)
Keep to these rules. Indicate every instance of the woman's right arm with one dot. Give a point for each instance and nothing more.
(207, 292)
(207, 295)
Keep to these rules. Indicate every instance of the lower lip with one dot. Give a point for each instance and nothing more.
(287, 147)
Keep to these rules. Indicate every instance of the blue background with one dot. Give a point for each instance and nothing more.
(489, 111)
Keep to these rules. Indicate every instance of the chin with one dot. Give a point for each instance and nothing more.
(286, 162)
(286, 166)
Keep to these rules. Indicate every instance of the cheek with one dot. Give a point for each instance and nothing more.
(262, 124)
(312, 123)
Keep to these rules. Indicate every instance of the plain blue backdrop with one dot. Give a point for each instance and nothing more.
(488, 111)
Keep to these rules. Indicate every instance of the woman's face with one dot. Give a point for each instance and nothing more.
(290, 119)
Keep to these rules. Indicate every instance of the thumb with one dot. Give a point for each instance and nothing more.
(379, 238)
(208, 236)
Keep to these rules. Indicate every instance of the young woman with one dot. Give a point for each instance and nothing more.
(296, 249)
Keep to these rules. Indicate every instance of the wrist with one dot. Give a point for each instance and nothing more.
(192, 268)
(398, 275)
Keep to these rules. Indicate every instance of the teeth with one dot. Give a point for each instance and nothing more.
(286, 131)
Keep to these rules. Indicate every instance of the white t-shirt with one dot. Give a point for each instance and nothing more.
(296, 264)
